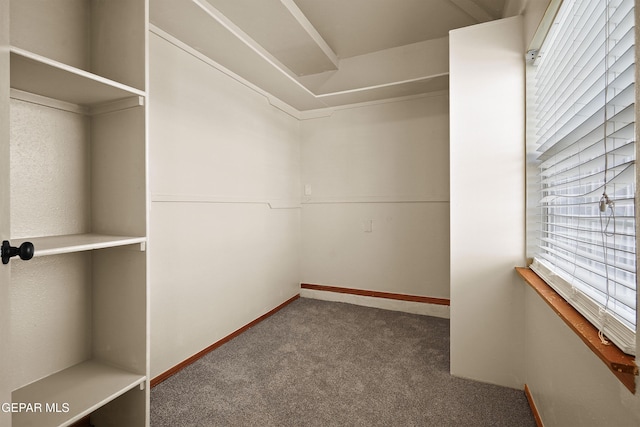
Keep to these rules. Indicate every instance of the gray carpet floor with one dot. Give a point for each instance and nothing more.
(319, 363)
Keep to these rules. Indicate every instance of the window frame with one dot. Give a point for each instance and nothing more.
(587, 309)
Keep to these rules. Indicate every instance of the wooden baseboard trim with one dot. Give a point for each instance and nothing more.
(532, 404)
(376, 294)
(180, 366)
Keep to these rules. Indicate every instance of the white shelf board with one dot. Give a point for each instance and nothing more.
(43, 76)
(55, 245)
(84, 387)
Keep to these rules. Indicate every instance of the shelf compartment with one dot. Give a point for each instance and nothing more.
(56, 245)
(42, 76)
(84, 387)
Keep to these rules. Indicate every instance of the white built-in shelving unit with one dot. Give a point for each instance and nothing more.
(77, 189)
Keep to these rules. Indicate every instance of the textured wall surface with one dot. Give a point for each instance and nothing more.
(377, 213)
(220, 157)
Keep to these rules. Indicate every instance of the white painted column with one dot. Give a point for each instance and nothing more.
(487, 170)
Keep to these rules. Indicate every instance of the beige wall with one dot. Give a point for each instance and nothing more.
(382, 164)
(221, 161)
(569, 383)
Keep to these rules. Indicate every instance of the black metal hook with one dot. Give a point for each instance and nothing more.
(25, 251)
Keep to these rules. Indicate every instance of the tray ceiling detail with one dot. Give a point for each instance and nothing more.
(313, 54)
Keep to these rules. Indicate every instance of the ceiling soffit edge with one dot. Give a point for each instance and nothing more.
(311, 30)
(350, 81)
(247, 40)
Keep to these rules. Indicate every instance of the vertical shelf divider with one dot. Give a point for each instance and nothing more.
(76, 116)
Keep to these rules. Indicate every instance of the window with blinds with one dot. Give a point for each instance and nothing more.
(581, 141)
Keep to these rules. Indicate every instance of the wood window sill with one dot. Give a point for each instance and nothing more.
(622, 365)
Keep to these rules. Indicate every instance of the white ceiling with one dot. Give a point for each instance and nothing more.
(312, 54)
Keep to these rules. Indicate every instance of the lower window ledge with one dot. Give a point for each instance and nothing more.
(621, 364)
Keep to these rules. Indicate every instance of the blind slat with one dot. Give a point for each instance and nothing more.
(596, 153)
(592, 126)
(587, 118)
(580, 238)
(586, 230)
(597, 257)
(622, 118)
(624, 174)
(584, 267)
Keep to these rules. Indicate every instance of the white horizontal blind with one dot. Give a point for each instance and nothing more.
(583, 98)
